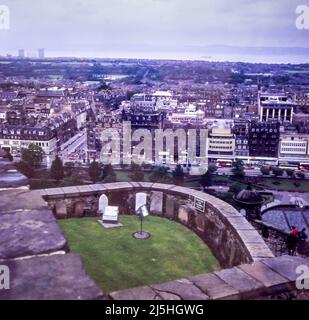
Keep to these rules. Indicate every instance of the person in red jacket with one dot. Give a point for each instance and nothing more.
(292, 241)
(294, 231)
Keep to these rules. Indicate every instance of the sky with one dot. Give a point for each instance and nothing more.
(136, 27)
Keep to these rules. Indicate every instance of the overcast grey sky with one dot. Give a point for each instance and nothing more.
(96, 26)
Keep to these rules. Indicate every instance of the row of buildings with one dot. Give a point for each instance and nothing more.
(271, 135)
(48, 118)
(269, 129)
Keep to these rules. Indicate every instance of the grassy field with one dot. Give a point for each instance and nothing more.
(116, 261)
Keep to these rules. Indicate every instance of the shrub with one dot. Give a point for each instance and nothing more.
(276, 183)
(265, 170)
(178, 175)
(235, 188)
(94, 171)
(24, 168)
(277, 171)
(9, 156)
(212, 168)
(296, 184)
(300, 175)
(137, 172)
(289, 172)
(56, 170)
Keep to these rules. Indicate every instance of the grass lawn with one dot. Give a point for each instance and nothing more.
(218, 179)
(116, 261)
(124, 176)
(192, 184)
(286, 184)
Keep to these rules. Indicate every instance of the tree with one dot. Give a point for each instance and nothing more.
(137, 172)
(9, 156)
(24, 168)
(33, 155)
(265, 170)
(129, 94)
(178, 175)
(289, 172)
(235, 188)
(68, 168)
(206, 179)
(300, 175)
(159, 174)
(104, 86)
(238, 168)
(108, 174)
(212, 168)
(277, 171)
(56, 170)
(94, 171)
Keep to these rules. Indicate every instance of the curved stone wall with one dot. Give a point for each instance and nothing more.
(232, 239)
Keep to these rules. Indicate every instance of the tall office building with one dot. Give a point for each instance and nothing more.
(264, 139)
(21, 53)
(41, 53)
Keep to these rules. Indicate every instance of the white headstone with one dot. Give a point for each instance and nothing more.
(156, 202)
(140, 199)
(103, 203)
(111, 214)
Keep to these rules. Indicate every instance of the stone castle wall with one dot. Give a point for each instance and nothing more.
(42, 255)
(228, 234)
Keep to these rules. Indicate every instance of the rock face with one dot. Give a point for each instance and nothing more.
(30, 232)
(58, 276)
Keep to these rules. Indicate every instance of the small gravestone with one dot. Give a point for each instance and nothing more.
(110, 214)
(156, 202)
(140, 200)
(61, 210)
(200, 222)
(183, 214)
(170, 207)
(79, 208)
(103, 203)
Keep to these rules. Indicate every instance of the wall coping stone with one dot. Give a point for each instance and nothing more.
(247, 281)
(59, 276)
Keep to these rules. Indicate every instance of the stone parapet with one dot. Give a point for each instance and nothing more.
(34, 249)
(271, 278)
(229, 235)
